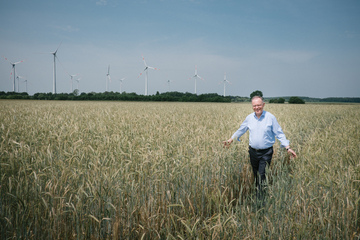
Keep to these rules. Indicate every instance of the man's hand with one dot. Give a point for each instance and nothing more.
(228, 142)
(293, 154)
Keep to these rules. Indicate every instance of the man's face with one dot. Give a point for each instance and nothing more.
(258, 106)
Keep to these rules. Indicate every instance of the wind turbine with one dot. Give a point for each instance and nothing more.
(108, 79)
(72, 77)
(13, 66)
(18, 82)
(195, 77)
(224, 81)
(78, 80)
(168, 82)
(54, 69)
(121, 82)
(146, 76)
(25, 81)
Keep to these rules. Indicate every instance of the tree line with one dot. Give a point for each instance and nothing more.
(166, 97)
(293, 100)
(116, 96)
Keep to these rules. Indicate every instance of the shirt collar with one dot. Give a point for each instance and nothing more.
(261, 117)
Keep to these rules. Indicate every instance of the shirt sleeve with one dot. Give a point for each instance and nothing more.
(279, 134)
(242, 129)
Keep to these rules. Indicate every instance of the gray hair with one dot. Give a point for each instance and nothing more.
(255, 97)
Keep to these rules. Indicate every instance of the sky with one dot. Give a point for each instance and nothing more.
(283, 48)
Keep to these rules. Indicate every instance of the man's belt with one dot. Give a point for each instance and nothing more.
(260, 150)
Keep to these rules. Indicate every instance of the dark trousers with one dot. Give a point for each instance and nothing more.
(259, 160)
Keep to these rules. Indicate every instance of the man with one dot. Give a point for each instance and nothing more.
(263, 128)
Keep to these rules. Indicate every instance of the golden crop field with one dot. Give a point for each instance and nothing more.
(133, 170)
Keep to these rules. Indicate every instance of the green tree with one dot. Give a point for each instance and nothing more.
(281, 100)
(277, 100)
(76, 92)
(296, 100)
(273, 100)
(256, 93)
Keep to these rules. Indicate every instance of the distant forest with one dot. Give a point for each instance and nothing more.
(116, 96)
(165, 97)
(329, 100)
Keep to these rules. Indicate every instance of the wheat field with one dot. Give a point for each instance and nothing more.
(136, 170)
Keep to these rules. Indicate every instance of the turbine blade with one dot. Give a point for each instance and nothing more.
(153, 68)
(19, 62)
(200, 77)
(12, 62)
(7, 60)
(58, 47)
(144, 61)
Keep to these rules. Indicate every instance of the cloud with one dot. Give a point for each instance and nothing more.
(352, 34)
(101, 2)
(68, 28)
(290, 56)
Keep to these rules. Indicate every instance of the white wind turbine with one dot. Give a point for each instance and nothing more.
(108, 79)
(25, 81)
(121, 82)
(196, 76)
(224, 81)
(78, 81)
(13, 66)
(18, 82)
(168, 82)
(72, 81)
(146, 76)
(54, 69)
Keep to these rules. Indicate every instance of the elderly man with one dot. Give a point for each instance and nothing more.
(263, 128)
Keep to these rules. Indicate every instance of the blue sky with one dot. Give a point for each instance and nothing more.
(283, 48)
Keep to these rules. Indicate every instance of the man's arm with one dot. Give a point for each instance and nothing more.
(279, 134)
(242, 129)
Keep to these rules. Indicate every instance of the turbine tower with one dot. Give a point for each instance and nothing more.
(72, 81)
(78, 80)
(13, 66)
(18, 82)
(108, 79)
(54, 69)
(196, 76)
(25, 81)
(121, 82)
(225, 81)
(168, 82)
(146, 76)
